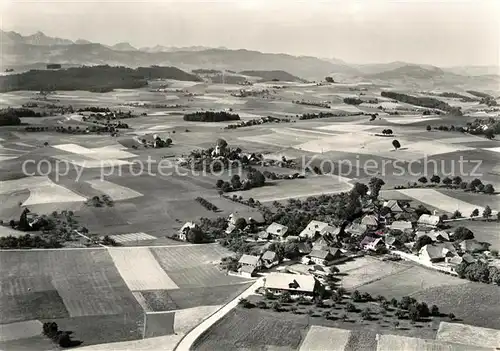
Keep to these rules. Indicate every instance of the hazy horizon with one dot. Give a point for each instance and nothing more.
(447, 33)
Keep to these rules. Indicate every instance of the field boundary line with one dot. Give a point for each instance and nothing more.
(190, 337)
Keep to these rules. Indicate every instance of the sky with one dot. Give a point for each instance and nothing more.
(442, 33)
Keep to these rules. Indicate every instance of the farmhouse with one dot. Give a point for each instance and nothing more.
(392, 241)
(293, 283)
(439, 235)
(182, 234)
(250, 260)
(322, 257)
(269, 259)
(370, 221)
(471, 246)
(277, 231)
(429, 220)
(401, 225)
(313, 229)
(456, 260)
(436, 252)
(320, 244)
(370, 243)
(247, 271)
(356, 229)
(395, 206)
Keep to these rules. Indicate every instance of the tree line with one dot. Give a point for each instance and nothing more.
(423, 101)
(210, 116)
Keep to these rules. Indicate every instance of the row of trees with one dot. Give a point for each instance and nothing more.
(210, 116)
(207, 204)
(352, 101)
(422, 101)
(457, 182)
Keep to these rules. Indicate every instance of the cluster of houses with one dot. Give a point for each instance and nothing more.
(323, 245)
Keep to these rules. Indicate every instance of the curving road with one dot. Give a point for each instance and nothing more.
(188, 340)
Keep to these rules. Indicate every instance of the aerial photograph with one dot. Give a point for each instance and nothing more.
(269, 175)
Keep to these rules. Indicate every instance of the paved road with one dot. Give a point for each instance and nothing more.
(187, 342)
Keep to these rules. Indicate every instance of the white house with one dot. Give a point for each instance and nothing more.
(437, 252)
(277, 231)
(293, 283)
(313, 228)
(429, 220)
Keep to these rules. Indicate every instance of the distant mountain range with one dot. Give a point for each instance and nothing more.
(20, 52)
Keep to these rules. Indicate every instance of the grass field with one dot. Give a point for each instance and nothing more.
(365, 270)
(20, 330)
(297, 188)
(249, 329)
(140, 270)
(58, 283)
(115, 191)
(410, 281)
(42, 190)
(167, 300)
(322, 338)
(188, 318)
(397, 342)
(443, 202)
(469, 335)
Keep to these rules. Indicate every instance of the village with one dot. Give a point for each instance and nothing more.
(388, 230)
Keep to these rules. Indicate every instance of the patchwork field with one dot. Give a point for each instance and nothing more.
(194, 266)
(322, 338)
(57, 284)
(42, 190)
(443, 202)
(397, 342)
(115, 191)
(469, 335)
(140, 270)
(297, 188)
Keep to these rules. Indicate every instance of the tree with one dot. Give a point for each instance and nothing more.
(487, 212)
(375, 185)
(489, 189)
(413, 313)
(422, 180)
(400, 314)
(463, 185)
(489, 133)
(475, 183)
(366, 314)
(462, 233)
(435, 311)
(235, 181)
(475, 213)
(396, 144)
(219, 183)
(195, 235)
(457, 180)
(356, 296)
(447, 181)
(349, 307)
(456, 214)
(421, 242)
(240, 223)
(276, 306)
(329, 80)
(451, 316)
(435, 179)
(359, 189)
(286, 297)
(429, 128)
(221, 143)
